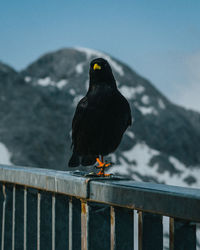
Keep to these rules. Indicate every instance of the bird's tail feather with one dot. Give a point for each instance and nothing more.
(88, 160)
(74, 161)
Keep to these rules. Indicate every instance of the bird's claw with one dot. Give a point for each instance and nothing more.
(102, 165)
(101, 174)
(105, 165)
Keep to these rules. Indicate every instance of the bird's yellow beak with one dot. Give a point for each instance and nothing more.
(96, 66)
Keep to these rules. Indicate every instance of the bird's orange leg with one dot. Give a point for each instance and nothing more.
(102, 165)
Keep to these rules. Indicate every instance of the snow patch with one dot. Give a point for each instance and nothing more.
(130, 92)
(45, 82)
(79, 68)
(139, 158)
(143, 153)
(87, 84)
(130, 134)
(147, 110)
(91, 53)
(60, 84)
(117, 83)
(72, 92)
(27, 78)
(77, 99)
(185, 172)
(139, 89)
(4, 155)
(161, 104)
(145, 99)
(113, 157)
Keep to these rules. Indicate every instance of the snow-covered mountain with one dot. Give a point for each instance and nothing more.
(37, 107)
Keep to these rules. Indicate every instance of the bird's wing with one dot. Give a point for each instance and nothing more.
(78, 116)
(129, 114)
(126, 110)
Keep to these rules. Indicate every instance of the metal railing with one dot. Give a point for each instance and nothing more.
(45, 209)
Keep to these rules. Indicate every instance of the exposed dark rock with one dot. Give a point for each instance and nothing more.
(190, 180)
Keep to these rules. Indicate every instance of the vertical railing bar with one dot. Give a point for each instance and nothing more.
(139, 230)
(166, 231)
(112, 228)
(53, 221)
(70, 223)
(38, 220)
(3, 217)
(25, 216)
(84, 225)
(171, 233)
(135, 229)
(196, 235)
(13, 218)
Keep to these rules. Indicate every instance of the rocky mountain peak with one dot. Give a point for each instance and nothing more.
(162, 145)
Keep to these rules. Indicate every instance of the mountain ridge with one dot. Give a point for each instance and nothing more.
(40, 100)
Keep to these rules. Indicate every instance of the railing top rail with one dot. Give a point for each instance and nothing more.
(168, 200)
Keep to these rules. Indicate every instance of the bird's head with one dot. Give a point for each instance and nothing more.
(101, 72)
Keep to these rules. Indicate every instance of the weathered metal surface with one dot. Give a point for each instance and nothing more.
(182, 235)
(46, 179)
(170, 200)
(98, 226)
(150, 231)
(31, 226)
(8, 196)
(163, 199)
(40, 217)
(156, 198)
(46, 220)
(61, 222)
(84, 226)
(19, 218)
(122, 228)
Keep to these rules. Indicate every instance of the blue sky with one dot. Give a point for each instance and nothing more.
(158, 39)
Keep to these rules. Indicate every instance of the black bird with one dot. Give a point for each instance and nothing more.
(100, 119)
